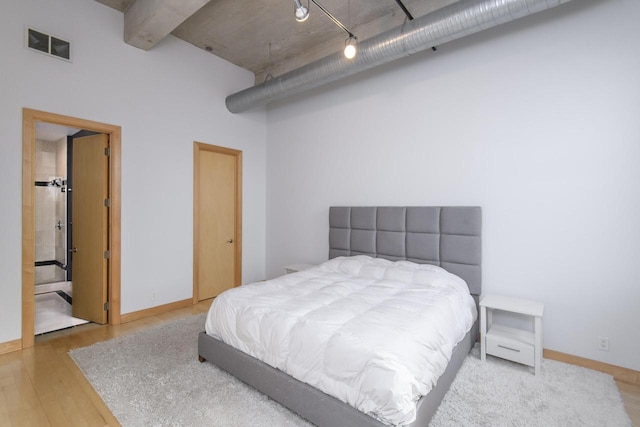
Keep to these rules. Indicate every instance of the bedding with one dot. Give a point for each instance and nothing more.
(373, 333)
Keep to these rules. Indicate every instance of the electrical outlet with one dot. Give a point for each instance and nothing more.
(603, 343)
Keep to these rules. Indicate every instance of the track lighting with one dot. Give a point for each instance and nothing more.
(350, 48)
(302, 12)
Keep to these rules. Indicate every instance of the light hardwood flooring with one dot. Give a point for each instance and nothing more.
(42, 386)
(631, 396)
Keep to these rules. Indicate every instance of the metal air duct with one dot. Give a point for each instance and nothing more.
(434, 29)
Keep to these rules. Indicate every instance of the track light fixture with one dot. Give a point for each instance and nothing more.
(302, 13)
(350, 48)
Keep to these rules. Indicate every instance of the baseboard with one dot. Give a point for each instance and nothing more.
(148, 312)
(9, 346)
(618, 372)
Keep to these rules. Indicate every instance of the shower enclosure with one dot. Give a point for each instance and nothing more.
(51, 212)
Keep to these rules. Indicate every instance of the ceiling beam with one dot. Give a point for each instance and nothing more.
(147, 22)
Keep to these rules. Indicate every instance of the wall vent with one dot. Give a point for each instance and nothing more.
(47, 44)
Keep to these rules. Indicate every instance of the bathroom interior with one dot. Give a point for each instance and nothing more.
(53, 274)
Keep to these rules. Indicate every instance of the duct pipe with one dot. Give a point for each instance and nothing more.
(449, 23)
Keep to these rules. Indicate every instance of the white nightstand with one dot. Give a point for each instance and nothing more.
(510, 343)
(294, 268)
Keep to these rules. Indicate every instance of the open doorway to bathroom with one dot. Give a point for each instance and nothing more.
(47, 216)
(53, 206)
(60, 253)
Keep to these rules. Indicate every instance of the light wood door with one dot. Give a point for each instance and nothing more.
(90, 227)
(217, 236)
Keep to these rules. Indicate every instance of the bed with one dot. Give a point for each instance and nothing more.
(448, 237)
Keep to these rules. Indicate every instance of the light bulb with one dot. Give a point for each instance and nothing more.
(302, 13)
(350, 50)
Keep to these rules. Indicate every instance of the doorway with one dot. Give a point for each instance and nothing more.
(53, 227)
(30, 119)
(217, 220)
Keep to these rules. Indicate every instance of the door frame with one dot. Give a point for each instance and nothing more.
(29, 119)
(237, 154)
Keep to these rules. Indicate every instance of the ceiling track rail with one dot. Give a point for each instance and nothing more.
(333, 18)
(404, 9)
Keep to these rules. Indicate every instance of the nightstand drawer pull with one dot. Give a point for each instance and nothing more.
(509, 348)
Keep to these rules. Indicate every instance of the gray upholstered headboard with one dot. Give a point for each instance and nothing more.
(449, 237)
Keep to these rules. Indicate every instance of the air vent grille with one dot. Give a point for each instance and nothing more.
(47, 44)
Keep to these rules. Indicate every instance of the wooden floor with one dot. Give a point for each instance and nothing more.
(631, 396)
(42, 386)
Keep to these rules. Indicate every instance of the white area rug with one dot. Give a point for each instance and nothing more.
(153, 378)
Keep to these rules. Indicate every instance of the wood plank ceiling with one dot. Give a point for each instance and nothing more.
(262, 36)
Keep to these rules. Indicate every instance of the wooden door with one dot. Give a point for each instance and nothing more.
(217, 225)
(90, 227)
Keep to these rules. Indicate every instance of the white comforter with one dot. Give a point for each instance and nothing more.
(373, 333)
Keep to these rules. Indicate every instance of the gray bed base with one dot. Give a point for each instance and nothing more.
(309, 402)
(444, 236)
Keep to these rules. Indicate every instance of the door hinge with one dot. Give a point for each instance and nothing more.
(107, 254)
(107, 151)
(107, 203)
(107, 306)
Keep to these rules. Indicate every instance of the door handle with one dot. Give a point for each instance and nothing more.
(230, 241)
(73, 250)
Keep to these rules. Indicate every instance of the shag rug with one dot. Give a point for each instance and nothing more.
(153, 378)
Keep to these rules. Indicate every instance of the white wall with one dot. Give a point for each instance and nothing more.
(535, 121)
(164, 99)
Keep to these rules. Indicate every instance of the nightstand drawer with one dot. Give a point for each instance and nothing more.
(511, 344)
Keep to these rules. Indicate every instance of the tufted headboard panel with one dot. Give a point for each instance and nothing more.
(448, 236)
